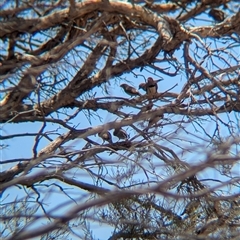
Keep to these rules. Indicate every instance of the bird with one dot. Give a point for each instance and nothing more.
(120, 133)
(143, 86)
(106, 136)
(217, 14)
(150, 87)
(130, 90)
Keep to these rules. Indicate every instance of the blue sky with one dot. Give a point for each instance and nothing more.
(22, 148)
